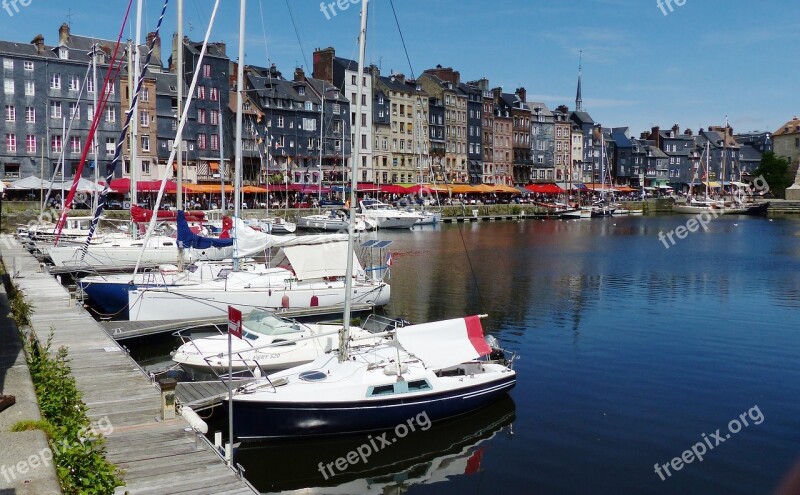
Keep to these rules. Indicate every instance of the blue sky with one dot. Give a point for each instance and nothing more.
(702, 61)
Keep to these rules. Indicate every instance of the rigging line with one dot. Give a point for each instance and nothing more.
(178, 132)
(264, 30)
(101, 202)
(297, 33)
(65, 210)
(402, 38)
(471, 269)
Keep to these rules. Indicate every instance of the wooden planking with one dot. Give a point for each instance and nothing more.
(157, 456)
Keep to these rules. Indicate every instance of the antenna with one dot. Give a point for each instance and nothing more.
(69, 18)
(580, 61)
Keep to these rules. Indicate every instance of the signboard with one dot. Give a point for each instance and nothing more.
(234, 322)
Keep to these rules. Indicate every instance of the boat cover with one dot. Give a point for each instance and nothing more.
(188, 239)
(250, 242)
(441, 344)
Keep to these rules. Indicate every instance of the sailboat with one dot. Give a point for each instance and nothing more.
(693, 205)
(443, 369)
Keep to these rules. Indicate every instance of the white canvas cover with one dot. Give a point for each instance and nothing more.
(441, 344)
(30, 183)
(321, 260)
(251, 242)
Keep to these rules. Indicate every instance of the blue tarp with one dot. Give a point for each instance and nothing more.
(188, 239)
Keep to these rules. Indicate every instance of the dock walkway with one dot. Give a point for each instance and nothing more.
(156, 456)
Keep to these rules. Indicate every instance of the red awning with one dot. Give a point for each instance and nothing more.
(123, 185)
(392, 189)
(544, 188)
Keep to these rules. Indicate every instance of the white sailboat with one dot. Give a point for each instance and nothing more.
(443, 369)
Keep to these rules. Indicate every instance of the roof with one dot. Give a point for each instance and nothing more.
(394, 84)
(330, 91)
(533, 105)
(791, 127)
(166, 81)
(215, 49)
(348, 64)
(270, 87)
(582, 117)
(750, 154)
(512, 100)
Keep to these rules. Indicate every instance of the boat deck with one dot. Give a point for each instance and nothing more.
(204, 395)
(156, 456)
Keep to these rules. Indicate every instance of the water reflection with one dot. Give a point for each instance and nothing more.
(445, 451)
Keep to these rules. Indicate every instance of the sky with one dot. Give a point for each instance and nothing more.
(690, 62)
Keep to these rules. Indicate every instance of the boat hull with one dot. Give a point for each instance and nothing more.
(257, 420)
(169, 304)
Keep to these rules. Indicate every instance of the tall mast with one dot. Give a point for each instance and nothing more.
(321, 140)
(94, 137)
(362, 42)
(179, 140)
(237, 168)
(221, 159)
(131, 88)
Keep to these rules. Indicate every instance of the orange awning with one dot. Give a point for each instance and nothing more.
(462, 189)
(214, 166)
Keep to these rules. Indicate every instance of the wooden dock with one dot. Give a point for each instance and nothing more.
(204, 395)
(123, 330)
(156, 456)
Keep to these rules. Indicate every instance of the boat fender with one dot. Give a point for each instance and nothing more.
(314, 301)
(285, 301)
(391, 369)
(194, 420)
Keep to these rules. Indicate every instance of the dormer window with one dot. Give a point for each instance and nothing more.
(301, 90)
(63, 53)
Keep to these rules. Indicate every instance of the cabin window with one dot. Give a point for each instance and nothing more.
(382, 390)
(418, 385)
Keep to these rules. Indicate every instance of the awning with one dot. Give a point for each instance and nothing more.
(461, 189)
(626, 189)
(393, 189)
(544, 188)
(712, 184)
(214, 166)
(123, 185)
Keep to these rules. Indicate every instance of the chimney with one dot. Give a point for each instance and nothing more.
(400, 77)
(274, 73)
(222, 47)
(299, 75)
(521, 93)
(38, 41)
(63, 34)
(374, 71)
(676, 129)
(687, 132)
(655, 136)
(154, 41)
(323, 63)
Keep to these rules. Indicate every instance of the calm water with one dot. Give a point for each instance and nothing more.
(630, 352)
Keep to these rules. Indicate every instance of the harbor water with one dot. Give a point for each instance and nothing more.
(633, 350)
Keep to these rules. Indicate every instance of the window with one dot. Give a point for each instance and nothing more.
(111, 114)
(145, 143)
(363, 141)
(8, 64)
(90, 112)
(280, 121)
(8, 86)
(11, 143)
(74, 111)
(201, 92)
(110, 88)
(364, 100)
(74, 83)
(30, 88)
(301, 90)
(55, 81)
(145, 94)
(201, 115)
(215, 141)
(75, 144)
(55, 109)
(90, 85)
(202, 141)
(206, 70)
(337, 144)
(110, 146)
(11, 113)
(309, 107)
(279, 142)
(30, 115)
(144, 119)
(214, 117)
(214, 94)
(336, 108)
(30, 143)
(56, 144)
(310, 124)
(353, 79)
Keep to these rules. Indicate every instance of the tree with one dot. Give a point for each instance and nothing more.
(776, 173)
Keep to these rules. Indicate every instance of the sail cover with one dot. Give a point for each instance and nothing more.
(188, 239)
(321, 260)
(446, 343)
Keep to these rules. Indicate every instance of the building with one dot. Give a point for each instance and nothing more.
(438, 143)
(211, 99)
(343, 74)
(335, 127)
(622, 156)
(521, 142)
(680, 148)
(47, 90)
(503, 138)
(562, 143)
(542, 142)
(407, 136)
(490, 173)
(166, 123)
(786, 144)
(474, 97)
(442, 83)
(718, 145)
(760, 141)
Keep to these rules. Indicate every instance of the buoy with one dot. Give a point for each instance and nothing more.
(314, 301)
(285, 301)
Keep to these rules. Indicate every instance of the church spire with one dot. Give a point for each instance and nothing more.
(578, 97)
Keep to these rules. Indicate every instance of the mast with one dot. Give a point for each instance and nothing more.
(237, 168)
(221, 160)
(135, 131)
(96, 197)
(321, 140)
(708, 153)
(179, 138)
(362, 42)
